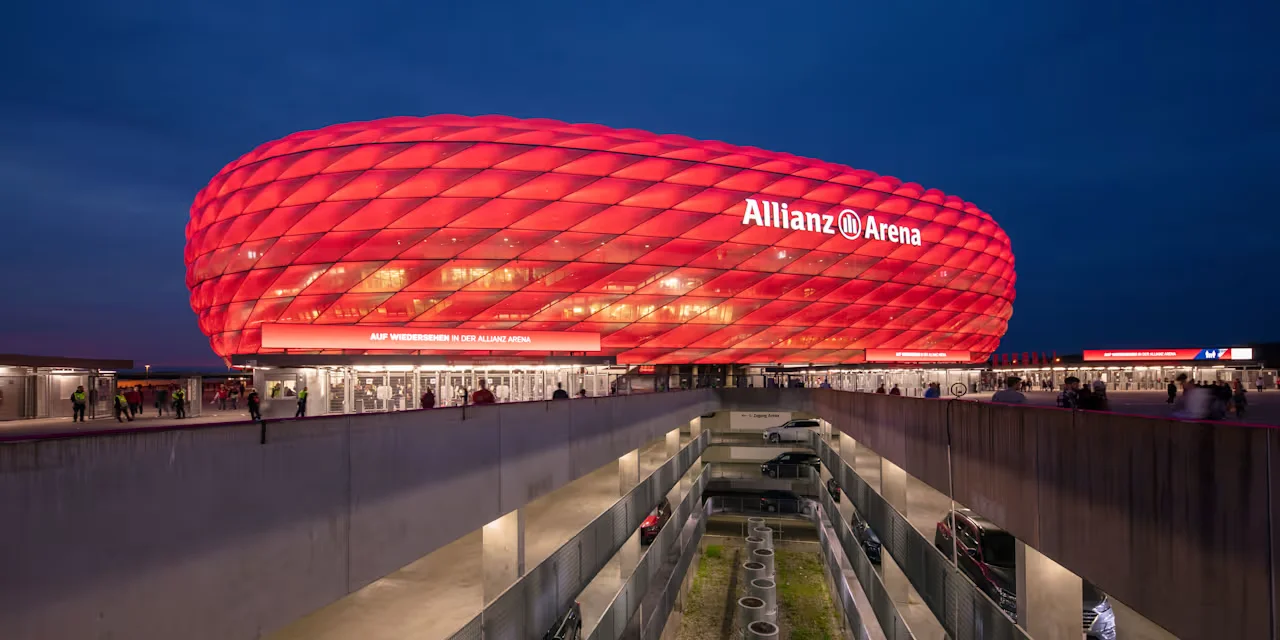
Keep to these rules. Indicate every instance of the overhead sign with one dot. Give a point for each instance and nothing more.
(1219, 353)
(903, 355)
(312, 336)
(846, 222)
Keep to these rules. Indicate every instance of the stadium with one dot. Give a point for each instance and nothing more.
(466, 243)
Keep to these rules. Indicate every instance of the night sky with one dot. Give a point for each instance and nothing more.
(1128, 148)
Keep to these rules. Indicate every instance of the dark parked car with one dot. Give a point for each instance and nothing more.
(776, 501)
(568, 627)
(866, 537)
(986, 553)
(653, 524)
(787, 465)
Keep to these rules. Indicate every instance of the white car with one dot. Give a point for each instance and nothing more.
(792, 431)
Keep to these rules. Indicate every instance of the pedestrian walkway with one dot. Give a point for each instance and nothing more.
(43, 427)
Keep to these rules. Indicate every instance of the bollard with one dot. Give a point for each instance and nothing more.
(755, 542)
(766, 589)
(764, 557)
(766, 533)
(754, 570)
(750, 609)
(762, 630)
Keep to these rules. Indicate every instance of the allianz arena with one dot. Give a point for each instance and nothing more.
(469, 236)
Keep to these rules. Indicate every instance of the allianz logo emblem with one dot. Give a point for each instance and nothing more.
(766, 213)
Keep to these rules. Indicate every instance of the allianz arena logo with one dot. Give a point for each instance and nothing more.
(765, 213)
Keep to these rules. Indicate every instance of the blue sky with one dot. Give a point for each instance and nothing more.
(1129, 149)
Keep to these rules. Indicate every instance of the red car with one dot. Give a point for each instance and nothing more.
(653, 524)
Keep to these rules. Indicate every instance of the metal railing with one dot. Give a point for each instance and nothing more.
(533, 603)
(677, 539)
(761, 505)
(965, 612)
(886, 611)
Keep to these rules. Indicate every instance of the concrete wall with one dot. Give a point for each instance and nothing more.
(209, 533)
(1172, 518)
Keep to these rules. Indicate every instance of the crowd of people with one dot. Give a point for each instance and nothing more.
(1208, 401)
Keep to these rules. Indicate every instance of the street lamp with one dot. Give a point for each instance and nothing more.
(148, 367)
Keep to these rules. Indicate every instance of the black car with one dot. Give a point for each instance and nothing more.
(653, 524)
(792, 464)
(833, 488)
(568, 627)
(776, 501)
(986, 554)
(866, 537)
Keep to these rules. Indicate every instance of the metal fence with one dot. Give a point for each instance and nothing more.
(882, 604)
(672, 550)
(534, 602)
(966, 613)
(761, 505)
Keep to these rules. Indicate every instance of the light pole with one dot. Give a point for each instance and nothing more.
(148, 367)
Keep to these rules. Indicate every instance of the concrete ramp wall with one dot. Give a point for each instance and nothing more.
(211, 533)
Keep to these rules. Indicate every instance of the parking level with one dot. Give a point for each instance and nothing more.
(439, 593)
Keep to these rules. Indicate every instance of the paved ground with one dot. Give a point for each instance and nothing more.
(17, 429)
(1263, 408)
(437, 594)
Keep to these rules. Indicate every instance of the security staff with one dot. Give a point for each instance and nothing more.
(302, 404)
(180, 402)
(122, 407)
(78, 401)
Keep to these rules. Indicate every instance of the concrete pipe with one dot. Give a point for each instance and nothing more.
(764, 532)
(750, 609)
(752, 523)
(766, 589)
(756, 542)
(764, 557)
(754, 570)
(762, 630)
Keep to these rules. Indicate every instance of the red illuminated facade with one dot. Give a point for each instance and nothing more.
(672, 250)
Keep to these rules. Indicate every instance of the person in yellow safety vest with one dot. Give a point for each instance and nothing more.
(180, 402)
(122, 407)
(302, 404)
(78, 402)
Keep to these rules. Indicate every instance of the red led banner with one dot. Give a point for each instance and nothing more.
(904, 355)
(310, 336)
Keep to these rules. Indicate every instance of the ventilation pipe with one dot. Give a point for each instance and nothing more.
(750, 609)
(766, 589)
(764, 557)
(762, 630)
(754, 570)
(764, 532)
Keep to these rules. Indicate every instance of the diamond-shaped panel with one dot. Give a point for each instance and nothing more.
(497, 222)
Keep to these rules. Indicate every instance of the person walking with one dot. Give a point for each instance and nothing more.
(934, 390)
(1173, 392)
(220, 397)
(1259, 383)
(122, 407)
(428, 399)
(179, 402)
(560, 393)
(895, 391)
(162, 401)
(1194, 403)
(134, 396)
(302, 404)
(1010, 394)
(254, 401)
(78, 402)
(483, 395)
(582, 393)
(1238, 399)
(1070, 396)
(233, 395)
(880, 389)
